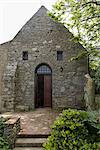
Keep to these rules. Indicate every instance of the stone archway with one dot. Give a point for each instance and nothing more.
(43, 86)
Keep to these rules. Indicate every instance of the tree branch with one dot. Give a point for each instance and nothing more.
(92, 2)
(93, 17)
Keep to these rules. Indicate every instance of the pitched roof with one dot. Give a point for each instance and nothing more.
(40, 21)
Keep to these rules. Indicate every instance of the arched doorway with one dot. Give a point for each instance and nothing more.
(43, 86)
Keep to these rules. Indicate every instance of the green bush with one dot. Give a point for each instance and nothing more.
(3, 142)
(97, 80)
(72, 131)
(95, 74)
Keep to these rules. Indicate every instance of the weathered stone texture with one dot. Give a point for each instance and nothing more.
(3, 62)
(89, 95)
(42, 38)
(12, 128)
(8, 94)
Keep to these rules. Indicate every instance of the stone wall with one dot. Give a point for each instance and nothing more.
(8, 92)
(89, 93)
(3, 62)
(12, 128)
(42, 38)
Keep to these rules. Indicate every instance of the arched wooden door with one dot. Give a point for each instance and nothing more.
(43, 86)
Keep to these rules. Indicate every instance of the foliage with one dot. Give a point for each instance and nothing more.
(95, 74)
(82, 18)
(93, 123)
(3, 142)
(97, 80)
(72, 131)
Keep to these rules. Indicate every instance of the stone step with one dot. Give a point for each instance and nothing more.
(21, 135)
(30, 142)
(28, 148)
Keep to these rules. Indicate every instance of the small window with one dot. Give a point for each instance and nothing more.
(25, 55)
(59, 55)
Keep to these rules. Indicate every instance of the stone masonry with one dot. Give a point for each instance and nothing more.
(42, 37)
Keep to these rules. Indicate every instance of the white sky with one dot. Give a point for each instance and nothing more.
(15, 13)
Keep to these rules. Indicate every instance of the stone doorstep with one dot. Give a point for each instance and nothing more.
(28, 148)
(21, 135)
(30, 142)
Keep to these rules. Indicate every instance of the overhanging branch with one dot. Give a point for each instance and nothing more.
(92, 2)
(93, 17)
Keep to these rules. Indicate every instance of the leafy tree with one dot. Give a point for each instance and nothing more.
(82, 18)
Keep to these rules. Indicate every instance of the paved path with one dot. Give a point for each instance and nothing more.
(36, 122)
(35, 128)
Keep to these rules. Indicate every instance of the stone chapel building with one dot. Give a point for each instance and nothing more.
(35, 70)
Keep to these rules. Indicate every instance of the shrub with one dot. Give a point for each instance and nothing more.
(71, 131)
(95, 74)
(97, 80)
(3, 142)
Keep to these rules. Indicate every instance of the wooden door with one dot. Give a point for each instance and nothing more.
(36, 91)
(39, 98)
(43, 91)
(40, 91)
(47, 91)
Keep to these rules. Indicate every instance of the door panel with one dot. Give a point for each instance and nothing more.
(40, 91)
(36, 91)
(43, 95)
(47, 91)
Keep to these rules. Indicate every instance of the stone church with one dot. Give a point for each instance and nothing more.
(35, 70)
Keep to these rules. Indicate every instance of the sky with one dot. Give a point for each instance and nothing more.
(15, 13)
